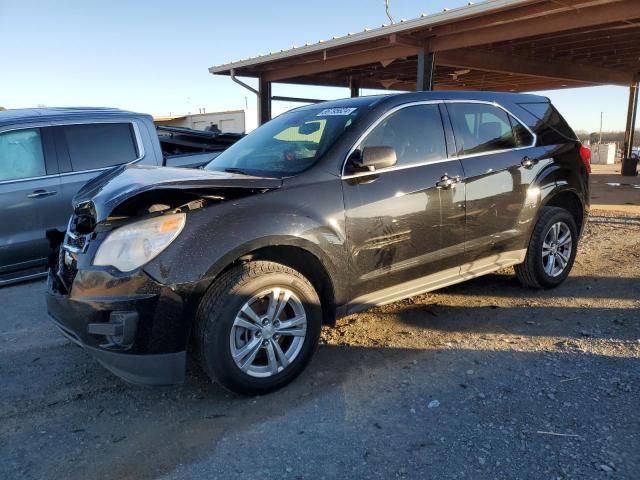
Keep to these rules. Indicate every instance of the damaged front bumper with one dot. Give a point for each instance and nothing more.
(131, 324)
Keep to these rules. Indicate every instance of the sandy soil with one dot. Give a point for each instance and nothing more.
(611, 192)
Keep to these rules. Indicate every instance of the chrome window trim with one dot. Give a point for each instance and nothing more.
(93, 170)
(508, 112)
(136, 132)
(371, 128)
(399, 167)
(431, 162)
(16, 180)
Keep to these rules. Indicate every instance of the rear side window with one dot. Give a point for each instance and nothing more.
(481, 128)
(522, 135)
(100, 145)
(21, 155)
(415, 133)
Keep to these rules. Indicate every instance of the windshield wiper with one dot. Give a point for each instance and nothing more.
(237, 170)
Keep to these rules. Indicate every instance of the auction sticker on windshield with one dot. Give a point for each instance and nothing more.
(336, 111)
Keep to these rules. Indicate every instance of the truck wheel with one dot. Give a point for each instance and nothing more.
(258, 326)
(552, 250)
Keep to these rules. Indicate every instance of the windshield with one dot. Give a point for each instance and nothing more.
(288, 144)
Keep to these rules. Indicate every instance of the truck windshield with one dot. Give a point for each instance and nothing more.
(288, 144)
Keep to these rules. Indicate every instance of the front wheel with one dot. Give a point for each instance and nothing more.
(258, 327)
(551, 251)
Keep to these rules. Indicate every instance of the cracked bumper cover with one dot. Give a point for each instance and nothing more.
(156, 354)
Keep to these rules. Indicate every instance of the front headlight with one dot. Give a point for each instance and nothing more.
(131, 246)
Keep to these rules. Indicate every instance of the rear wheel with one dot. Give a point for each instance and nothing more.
(552, 250)
(258, 327)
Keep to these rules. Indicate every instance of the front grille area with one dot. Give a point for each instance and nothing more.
(75, 243)
(66, 270)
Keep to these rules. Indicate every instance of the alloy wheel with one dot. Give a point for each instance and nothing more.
(556, 249)
(268, 332)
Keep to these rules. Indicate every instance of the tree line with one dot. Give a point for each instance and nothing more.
(607, 137)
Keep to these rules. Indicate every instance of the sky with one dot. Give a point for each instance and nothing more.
(153, 56)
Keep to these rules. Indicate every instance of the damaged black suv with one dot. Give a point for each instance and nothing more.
(326, 210)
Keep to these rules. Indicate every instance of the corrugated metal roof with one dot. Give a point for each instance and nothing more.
(424, 21)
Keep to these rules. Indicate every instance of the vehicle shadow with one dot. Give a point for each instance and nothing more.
(506, 285)
(583, 307)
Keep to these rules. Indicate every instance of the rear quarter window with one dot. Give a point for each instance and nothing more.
(100, 145)
(548, 123)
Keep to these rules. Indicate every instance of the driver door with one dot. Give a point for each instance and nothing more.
(402, 222)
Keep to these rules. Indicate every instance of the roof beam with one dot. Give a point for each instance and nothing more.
(391, 52)
(489, 61)
(473, 82)
(622, 11)
(570, 39)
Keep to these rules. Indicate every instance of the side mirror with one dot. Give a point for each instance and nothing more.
(374, 158)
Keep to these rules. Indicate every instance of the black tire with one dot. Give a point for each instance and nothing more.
(532, 272)
(217, 313)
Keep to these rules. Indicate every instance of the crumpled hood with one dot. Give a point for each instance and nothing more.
(107, 191)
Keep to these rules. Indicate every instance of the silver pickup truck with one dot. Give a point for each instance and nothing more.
(47, 154)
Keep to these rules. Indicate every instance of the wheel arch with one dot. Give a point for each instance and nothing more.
(569, 200)
(296, 253)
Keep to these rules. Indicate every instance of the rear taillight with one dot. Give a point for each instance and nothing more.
(585, 154)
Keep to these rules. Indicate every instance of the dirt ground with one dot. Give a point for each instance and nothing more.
(611, 192)
(482, 380)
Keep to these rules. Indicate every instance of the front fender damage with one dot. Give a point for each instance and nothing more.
(138, 190)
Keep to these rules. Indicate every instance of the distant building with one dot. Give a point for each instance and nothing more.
(233, 121)
(604, 153)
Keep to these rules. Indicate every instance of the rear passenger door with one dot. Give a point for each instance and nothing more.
(494, 149)
(401, 225)
(29, 197)
(86, 150)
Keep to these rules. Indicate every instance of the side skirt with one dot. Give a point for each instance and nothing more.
(434, 281)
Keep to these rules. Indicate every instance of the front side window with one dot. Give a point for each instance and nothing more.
(288, 144)
(483, 128)
(21, 155)
(415, 133)
(100, 145)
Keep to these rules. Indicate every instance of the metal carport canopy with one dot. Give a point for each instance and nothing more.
(504, 45)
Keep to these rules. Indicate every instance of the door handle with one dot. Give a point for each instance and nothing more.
(528, 163)
(41, 193)
(446, 181)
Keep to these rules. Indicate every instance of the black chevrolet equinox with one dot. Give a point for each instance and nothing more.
(324, 211)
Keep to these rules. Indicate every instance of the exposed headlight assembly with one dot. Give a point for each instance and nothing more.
(131, 246)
